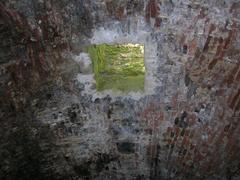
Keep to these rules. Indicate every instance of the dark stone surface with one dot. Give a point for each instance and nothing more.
(126, 147)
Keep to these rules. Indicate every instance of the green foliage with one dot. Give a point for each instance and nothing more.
(118, 67)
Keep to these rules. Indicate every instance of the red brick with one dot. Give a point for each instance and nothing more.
(152, 9)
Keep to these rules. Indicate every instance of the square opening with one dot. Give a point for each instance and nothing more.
(118, 66)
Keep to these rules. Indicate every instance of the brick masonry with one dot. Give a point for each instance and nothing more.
(188, 128)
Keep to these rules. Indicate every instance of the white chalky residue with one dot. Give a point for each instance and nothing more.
(114, 34)
(88, 81)
(84, 62)
(83, 57)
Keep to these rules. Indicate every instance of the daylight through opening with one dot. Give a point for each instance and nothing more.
(118, 66)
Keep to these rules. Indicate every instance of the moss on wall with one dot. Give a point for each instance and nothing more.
(118, 67)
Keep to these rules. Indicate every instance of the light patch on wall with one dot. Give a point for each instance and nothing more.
(136, 32)
(119, 67)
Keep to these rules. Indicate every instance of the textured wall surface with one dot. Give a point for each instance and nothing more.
(55, 125)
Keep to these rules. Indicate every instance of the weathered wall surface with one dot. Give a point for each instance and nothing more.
(187, 128)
